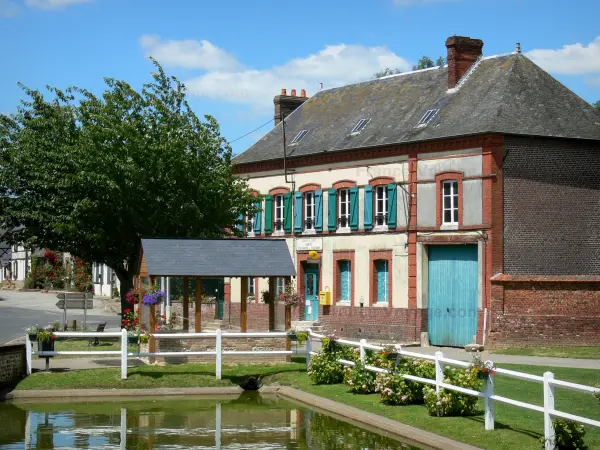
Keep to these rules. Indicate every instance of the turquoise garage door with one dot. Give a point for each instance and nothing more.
(452, 295)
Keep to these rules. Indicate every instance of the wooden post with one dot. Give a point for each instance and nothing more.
(288, 325)
(272, 298)
(186, 305)
(198, 326)
(244, 305)
(152, 342)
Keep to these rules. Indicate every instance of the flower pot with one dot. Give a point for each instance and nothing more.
(46, 346)
(292, 336)
(33, 337)
(133, 340)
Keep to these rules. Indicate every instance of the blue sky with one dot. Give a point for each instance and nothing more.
(236, 55)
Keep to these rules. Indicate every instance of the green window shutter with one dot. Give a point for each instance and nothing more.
(319, 210)
(268, 214)
(287, 212)
(392, 213)
(368, 207)
(297, 212)
(331, 210)
(353, 208)
(240, 223)
(258, 217)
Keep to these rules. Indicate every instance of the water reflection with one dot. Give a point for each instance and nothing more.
(248, 422)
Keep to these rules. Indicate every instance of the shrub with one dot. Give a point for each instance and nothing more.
(395, 390)
(568, 435)
(360, 380)
(324, 368)
(452, 403)
(384, 359)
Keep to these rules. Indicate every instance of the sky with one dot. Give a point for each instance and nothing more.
(235, 55)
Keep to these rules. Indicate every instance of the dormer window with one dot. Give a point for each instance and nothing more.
(427, 117)
(360, 125)
(299, 136)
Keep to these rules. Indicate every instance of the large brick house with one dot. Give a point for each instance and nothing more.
(460, 201)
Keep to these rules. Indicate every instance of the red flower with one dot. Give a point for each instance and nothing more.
(53, 337)
(127, 311)
(163, 316)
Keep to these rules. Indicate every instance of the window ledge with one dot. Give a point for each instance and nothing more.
(309, 232)
(381, 228)
(250, 234)
(449, 226)
(278, 233)
(381, 304)
(344, 230)
(343, 303)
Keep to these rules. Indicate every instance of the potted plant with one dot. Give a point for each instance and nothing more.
(45, 340)
(154, 297)
(144, 338)
(133, 337)
(130, 323)
(484, 368)
(32, 331)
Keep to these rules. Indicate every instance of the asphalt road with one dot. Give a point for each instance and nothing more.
(18, 310)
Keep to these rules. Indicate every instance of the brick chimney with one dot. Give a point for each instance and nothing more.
(462, 54)
(286, 104)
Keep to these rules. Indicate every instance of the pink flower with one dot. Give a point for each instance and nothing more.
(364, 386)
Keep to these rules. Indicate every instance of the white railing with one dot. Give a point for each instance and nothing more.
(488, 395)
(218, 352)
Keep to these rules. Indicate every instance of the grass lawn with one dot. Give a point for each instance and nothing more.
(554, 352)
(77, 344)
(515, 428)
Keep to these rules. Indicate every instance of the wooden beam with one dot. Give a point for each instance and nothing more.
(288, 322)
(152, 342)
(272, 288)
(186, 305)
(198, 324)
(244, 304)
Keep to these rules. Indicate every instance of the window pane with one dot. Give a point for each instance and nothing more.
(456, 215)
(382, 281)
(447, 204)
(310, 284)
(455, 186)
(446, 188)
(448, 216)
(345, 280)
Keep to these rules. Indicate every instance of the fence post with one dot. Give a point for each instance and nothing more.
(362, 351)
(439, 372)
(219, 351)
(548, 406)
(308, 347)
(27, 355)
(123, 354)
(490, 415)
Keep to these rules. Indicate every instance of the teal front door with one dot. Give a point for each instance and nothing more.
(452, 294)
(311, 292)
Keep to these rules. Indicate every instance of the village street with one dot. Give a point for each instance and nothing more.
(18, 310)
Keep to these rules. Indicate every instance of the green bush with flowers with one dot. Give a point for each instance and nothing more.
(324, 367)
(360, 380)
(452, 403)
(396, 390)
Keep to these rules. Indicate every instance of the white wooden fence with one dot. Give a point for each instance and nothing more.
(547, 380)
(124, 354)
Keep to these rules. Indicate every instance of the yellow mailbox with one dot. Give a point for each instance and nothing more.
(325, 297)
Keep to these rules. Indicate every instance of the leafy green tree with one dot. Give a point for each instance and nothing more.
(597, 105)
(424, 63)
(386, 72)
(92, 175)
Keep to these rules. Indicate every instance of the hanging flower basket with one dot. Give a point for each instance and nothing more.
(154, 297)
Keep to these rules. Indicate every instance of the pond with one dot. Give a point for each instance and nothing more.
(248, 421)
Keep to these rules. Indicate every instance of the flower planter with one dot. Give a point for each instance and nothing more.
(292, 337)
(33, 337)
(46, 346)
(132, 340)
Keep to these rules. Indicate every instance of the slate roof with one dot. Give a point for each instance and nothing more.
(503, 94)
(218, 257)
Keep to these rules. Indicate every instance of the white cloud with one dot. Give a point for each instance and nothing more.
(333, 66)
(8, 8)
(52, 4)
(189, 54)
(571, 59)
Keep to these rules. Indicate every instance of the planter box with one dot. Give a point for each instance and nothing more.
(46, 346)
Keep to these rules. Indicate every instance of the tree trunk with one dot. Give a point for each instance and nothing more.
(126, 284)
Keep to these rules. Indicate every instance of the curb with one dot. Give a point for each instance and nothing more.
(405, 433)
(87, 393)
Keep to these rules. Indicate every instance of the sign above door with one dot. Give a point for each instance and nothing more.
(307, 244)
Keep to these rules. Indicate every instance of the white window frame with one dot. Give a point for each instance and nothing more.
(381, 191)
(250, 224)
(453, 209)
(252, 286)
(309, 211)
(279, 287)
(278, 212)
(342, 216)
(349, 299)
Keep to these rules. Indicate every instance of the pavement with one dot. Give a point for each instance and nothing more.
(18, 310)
(96, 362)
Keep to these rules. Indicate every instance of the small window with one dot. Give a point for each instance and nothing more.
(345, 281)
(250, 224)
(251, 286)
(428, 116)
(450, 202)
(309, 211)
(381, 206)
(299, 136)
(344, 208)
(360, 125)
(382, 274)
(278, 220)
(279, 287)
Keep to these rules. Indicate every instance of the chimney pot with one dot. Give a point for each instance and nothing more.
(283, 92)
(303, 93)
(462, 54)
(293, 92)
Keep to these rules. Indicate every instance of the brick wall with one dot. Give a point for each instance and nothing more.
(12, 365)
(544, 313)
(397, 324)
(551, 207)
(257, 315)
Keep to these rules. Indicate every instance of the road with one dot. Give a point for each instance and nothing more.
(18, 310)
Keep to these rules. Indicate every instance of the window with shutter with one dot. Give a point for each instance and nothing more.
(278, 212)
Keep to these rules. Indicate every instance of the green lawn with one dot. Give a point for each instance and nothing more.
(555, 352)
(77, 344)
(516, 428)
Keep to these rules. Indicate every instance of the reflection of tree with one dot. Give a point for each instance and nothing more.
(327, 433)
(12, 424)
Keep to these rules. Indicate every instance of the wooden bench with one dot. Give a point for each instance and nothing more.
(95, 341)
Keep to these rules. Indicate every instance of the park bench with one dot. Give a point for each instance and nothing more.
(95, 341)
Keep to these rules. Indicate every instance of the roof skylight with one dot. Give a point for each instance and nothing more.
(429, 114)
(360, 125)
(299, 136)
